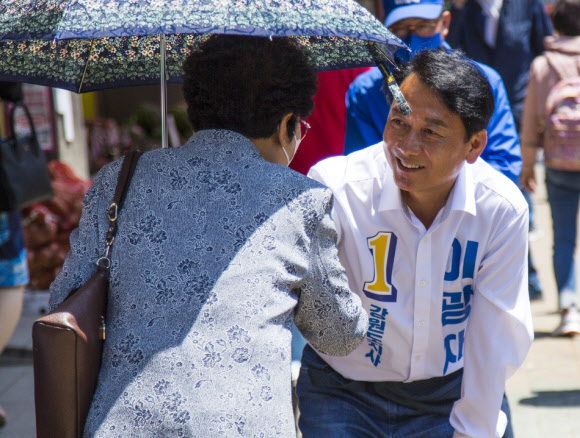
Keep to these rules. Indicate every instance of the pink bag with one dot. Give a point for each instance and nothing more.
(562, 129)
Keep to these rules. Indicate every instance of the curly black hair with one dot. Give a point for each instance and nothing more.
(247, 84)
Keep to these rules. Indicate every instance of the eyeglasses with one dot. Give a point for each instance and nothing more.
(420, 26)
(304, 127)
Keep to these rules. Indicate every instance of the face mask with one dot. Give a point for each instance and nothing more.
(417, 43)
(296, 143)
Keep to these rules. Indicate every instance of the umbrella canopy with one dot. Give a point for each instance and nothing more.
(88, 45)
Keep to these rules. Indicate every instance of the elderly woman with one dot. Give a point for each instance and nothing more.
(219, 246)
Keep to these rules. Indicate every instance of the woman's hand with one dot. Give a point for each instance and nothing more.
(528, 179)
(528, 175)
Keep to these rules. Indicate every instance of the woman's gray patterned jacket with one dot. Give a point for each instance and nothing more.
(215, 251)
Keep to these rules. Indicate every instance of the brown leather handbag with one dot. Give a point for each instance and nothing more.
(67, 343)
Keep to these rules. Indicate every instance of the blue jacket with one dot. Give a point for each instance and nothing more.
(522, 27)
(367, 110)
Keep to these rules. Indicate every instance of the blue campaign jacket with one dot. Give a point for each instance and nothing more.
(367, 110)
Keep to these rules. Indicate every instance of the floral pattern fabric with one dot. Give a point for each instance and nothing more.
(216, 251)
(87, 45)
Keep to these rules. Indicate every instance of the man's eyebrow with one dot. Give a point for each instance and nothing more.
(433, 121)
(438, 122)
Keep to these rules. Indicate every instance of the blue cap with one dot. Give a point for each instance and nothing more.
(397, 10)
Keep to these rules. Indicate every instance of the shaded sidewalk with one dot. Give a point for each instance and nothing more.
(16, 375)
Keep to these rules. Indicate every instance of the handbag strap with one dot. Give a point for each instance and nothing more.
(11, 124)
(125, 174)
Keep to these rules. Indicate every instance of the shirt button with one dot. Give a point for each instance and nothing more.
(417, 358)
(421, 323)
(422, 283)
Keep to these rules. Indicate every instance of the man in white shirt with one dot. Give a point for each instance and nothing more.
(434, 241)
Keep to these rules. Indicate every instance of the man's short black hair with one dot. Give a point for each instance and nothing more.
(247, 84)
(566, 17)
(458, 83)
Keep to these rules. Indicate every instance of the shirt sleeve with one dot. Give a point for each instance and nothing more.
(329, 316)
(502, 151)
(317, 173)
(86, 248)
(499, 332)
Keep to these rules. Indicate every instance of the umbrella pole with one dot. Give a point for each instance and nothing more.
(163, 95)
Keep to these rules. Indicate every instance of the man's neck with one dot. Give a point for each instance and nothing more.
(425, 206)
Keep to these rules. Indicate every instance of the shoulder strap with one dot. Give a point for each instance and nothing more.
(564, 66)
(125, 174)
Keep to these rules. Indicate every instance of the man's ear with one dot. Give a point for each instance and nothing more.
(282, 135)
(446, 22)
(477, 144)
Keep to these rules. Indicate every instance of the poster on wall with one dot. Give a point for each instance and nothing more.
(39, 101)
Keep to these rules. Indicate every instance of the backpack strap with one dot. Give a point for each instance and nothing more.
(565, 66)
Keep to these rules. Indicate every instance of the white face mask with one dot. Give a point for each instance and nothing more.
(296, 144)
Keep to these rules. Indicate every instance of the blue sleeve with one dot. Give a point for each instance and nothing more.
(366, 111)
(502, 151)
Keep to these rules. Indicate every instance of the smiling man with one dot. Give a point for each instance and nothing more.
(424, 24)
(434, 241)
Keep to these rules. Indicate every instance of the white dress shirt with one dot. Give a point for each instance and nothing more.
(454, 295)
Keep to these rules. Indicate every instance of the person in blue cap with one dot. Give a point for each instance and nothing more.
(424, 24)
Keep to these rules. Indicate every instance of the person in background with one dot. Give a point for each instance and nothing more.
(434, 241)
(560, 61)
(424, 24)
(231, 248)
(13, 279)
(520, 27)
(505, 35)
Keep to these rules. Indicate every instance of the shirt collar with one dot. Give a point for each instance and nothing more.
(390, 197)
(461, 198)
(224, 141)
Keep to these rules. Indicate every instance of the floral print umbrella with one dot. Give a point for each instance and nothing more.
(87, 45)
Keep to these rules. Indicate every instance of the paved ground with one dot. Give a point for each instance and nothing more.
(16, 377)
(544, 394)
